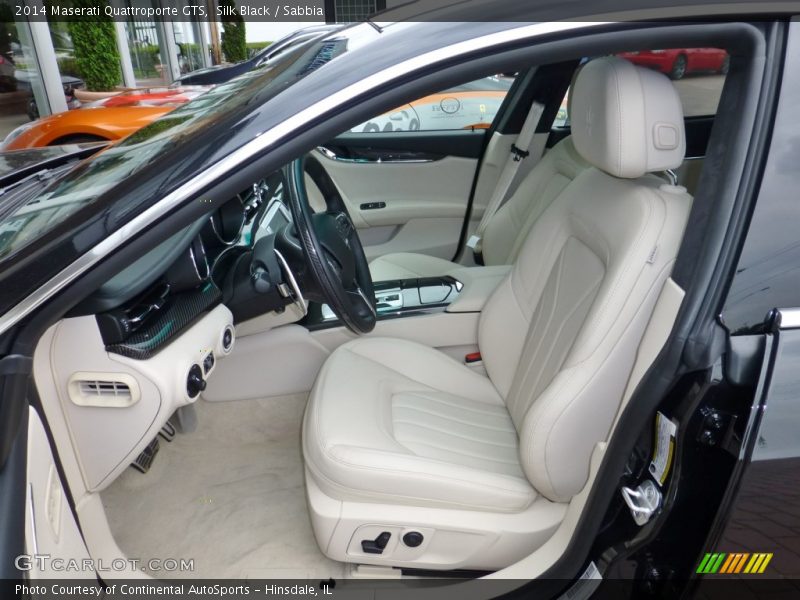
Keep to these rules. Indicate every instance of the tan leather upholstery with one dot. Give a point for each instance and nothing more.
(395, 422)
(506, 231)
(419, 414)
(623, 133)
(409, 265)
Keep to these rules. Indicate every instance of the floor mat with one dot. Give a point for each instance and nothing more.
(229, 495)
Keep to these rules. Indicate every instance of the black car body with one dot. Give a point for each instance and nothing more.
(724, 378)
(222, 73)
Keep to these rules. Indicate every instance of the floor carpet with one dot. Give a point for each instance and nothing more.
(230, 495)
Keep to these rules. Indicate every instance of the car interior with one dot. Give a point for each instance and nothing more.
(213, 401)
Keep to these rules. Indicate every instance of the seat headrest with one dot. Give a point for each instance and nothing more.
(626, 120)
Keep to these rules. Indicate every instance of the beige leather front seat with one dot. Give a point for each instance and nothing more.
(507, 229)
(400, 439)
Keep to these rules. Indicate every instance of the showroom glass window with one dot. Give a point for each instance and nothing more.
(20, 79)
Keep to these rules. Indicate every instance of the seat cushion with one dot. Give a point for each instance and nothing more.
(408, 265)
(393, 421)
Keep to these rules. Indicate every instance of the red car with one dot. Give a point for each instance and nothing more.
(678, 62)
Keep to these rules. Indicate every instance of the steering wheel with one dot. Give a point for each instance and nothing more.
(331, 247)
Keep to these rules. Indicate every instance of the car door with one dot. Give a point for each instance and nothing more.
(757, 535)
(39, 535)
(406, 175)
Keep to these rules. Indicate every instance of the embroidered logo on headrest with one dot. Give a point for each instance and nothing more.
(589, 120)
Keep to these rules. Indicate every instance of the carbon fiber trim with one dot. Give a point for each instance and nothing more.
(181, 312)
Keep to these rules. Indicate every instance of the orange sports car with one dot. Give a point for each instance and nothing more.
(109, 119)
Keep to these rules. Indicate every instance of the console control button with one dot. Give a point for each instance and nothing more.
(195, 382)
(227, 339)
(208, 362)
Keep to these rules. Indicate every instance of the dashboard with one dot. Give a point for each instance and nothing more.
(146, 305)
(142, 347)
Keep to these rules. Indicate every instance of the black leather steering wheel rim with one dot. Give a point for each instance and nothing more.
(331, 247)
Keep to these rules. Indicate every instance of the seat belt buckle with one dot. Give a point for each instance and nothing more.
(474, 242)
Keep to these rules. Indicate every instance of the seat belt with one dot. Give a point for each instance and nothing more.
(519, 151)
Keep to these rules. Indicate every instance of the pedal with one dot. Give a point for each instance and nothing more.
(145, 460)
(168, 432)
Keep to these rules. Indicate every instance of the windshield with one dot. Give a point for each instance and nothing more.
(19, 224)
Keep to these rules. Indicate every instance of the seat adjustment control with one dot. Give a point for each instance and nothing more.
(377, 545)
(413, 539)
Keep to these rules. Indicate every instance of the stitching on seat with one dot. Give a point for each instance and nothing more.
(465, 454)
(529, 493)
(455, 435)
(473, 409)
(463, 422)
(589, 292)
(547, 439)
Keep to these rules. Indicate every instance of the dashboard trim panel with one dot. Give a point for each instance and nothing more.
(183, 310)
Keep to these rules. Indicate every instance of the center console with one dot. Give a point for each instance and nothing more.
(399, 298)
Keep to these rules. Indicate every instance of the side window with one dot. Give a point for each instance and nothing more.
(697, 73)
(473, 105)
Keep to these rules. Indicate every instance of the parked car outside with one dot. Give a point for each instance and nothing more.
(109, 119)
(679, 62)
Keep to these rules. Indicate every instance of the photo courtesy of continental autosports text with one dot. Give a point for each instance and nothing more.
(388, 299)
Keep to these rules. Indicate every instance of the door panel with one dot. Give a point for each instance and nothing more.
(403, 193)
(764, 516)
(406, 175)
(50, 527)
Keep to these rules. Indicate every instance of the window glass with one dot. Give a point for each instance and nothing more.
(472, 105)
(697, 74)
(35, 207)
(21, 86)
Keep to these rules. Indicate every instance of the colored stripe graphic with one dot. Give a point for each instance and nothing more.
(733, 563)
(711, 563)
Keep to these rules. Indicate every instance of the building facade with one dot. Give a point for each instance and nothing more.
(38, 67)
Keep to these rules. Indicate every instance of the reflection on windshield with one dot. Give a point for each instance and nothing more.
(146, 146)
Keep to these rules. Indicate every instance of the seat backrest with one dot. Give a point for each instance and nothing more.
(559, 336)
(507, 229)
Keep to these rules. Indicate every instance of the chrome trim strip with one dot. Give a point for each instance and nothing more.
(298, 295)
(34, 534)
(330, 155)
(789, 318)
(262, 142)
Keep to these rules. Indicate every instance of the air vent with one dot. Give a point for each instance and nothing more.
(110, 390)
(105, 388)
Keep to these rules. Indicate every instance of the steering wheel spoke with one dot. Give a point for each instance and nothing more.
(332, 248)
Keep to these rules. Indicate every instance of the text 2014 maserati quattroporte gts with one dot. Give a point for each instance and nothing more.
(253, 339)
